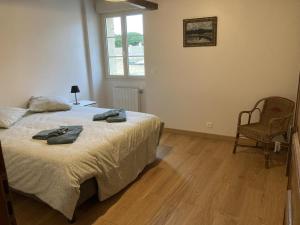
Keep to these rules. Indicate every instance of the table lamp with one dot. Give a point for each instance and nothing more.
(75, 90)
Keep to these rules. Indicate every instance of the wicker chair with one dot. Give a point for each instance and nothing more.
(275, 116)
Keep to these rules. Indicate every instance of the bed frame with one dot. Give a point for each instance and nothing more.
(7, 216)
(88, 189)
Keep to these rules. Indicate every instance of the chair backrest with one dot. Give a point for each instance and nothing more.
(276, 107)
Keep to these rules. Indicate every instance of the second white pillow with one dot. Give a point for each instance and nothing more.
(48, 104)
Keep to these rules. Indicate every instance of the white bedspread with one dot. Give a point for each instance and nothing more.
(113, 153)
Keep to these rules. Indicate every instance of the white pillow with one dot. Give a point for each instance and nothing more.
(10, 115)
(48, 104)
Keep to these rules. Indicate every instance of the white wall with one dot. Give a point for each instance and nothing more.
(42, 49)
(257, 55)
(92, 31)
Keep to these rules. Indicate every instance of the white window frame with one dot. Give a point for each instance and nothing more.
(125, 46)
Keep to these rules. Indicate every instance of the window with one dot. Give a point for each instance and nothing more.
(125, 45)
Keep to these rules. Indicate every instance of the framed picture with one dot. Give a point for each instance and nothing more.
(200, 32)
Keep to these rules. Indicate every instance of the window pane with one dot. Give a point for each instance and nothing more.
(113, 26)
(135, 45)
(135, 35)
(116, 66)
(135, 38)
(135, 24)
(114, 46)
(136, 66)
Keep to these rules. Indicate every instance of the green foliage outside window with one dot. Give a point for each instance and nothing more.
(134, 39)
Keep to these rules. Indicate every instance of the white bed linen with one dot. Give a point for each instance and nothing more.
(113, 153)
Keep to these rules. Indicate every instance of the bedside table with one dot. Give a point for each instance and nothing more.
(86, 103)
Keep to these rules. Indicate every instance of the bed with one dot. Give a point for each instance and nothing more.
(105, 158)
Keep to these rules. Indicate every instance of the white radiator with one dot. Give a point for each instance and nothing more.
(127, 98)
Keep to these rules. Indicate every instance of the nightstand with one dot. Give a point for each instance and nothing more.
(86, 103)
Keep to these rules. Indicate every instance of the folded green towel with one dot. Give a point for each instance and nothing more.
(112, 116)
(117, 119)
(58, 132)
(43, 135)
(68, 137)
(104, 116)
(63, 135)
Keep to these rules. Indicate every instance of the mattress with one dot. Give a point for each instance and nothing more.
(113, 153)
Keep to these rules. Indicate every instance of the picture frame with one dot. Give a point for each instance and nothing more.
(200, 32)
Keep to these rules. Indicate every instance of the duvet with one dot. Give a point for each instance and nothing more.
(112, 153)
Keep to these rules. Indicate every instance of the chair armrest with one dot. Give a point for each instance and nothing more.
(249, 113)
(241, 114)
(281, 123)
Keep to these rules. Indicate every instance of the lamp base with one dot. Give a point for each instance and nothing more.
(76, 103)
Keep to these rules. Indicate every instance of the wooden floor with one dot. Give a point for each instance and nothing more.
(194, 181)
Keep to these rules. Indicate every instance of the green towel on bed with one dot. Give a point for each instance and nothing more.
(63, 135)
(105, 115)
(119, 118)
(112, 116)
(43, 135)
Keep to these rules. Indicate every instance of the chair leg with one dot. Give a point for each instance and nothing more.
(236, 142)
(257, 144)
(267, 153)
(289, 159)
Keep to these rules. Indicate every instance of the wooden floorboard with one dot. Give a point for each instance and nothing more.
(194, 181)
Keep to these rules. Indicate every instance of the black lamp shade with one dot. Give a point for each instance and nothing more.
(75, 89)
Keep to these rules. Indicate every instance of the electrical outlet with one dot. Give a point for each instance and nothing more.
(209, 124)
